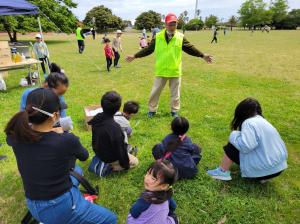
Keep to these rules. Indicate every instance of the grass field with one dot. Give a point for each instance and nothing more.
(264, 66)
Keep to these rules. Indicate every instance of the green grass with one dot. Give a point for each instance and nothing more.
(264, 66)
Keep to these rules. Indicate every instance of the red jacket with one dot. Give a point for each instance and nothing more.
(108, 51)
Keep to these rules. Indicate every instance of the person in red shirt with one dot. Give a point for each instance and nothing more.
(109, 54)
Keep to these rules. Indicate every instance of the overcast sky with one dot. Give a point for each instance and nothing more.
(130, 9)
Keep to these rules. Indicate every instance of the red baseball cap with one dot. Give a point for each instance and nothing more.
(171, 17)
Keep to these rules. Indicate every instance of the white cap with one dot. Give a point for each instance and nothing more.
(119, 31)
(38, 36)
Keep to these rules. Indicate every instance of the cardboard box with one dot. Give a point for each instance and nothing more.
(3, 75)
(89, 113)
(5, 53)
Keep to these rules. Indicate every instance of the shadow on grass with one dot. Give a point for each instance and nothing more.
(81, 126)
(243, 186)
(13, 88)
(52, 42)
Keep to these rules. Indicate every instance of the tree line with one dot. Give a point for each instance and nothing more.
(57, 16)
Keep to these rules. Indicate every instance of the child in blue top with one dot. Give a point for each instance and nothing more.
(179, 149)
(59, 83)
(254, 144)
(42, 53)
(155, 205)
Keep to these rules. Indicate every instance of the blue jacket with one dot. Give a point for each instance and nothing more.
(185, 158)
(262, 151)
(24, 99)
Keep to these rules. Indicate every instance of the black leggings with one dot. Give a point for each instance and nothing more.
(117, 57)
(234, 155)
(44, 60)
(108, 63)
(214, 39)
(80, 46)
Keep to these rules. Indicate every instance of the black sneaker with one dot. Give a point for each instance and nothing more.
(174, 114)
(151, 114)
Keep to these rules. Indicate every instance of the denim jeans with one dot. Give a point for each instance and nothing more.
(70, 208)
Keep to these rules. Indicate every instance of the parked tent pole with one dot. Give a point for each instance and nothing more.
(41, 32)
(40, 26)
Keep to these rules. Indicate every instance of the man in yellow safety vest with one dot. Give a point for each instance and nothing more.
(80, 39)
(168, 46)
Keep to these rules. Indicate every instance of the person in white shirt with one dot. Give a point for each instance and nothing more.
(117, 47)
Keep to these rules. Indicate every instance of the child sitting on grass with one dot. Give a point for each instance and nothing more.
(130, 108)
(155, 205)
(109, 54)
(107, 135)
(179, 149)
(254, 144)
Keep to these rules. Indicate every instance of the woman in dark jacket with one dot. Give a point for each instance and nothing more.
(44, 157)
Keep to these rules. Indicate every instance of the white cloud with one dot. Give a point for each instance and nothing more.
(130, 9)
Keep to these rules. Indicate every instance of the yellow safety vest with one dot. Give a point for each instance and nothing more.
(78, 34)
(168, 55)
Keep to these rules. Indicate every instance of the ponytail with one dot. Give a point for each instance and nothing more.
(18, 129)
(173, 144)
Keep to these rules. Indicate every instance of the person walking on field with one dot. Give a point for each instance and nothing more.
(117, 47)
(144, 33)
(168, 46)
(93, 33)
(215, 36)
(109, 54)
(80, 39)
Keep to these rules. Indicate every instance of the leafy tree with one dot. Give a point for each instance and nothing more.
(194, 24)
(254, 13)
(104, 19)
(148, 20)
(182, 20)
(294, 15)
(55, 15)
(232, 22)
(127, 23)
(211, 21)
(292, 20)
(279, 10)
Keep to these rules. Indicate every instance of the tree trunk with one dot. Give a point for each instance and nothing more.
(10, 36)
(15, 36)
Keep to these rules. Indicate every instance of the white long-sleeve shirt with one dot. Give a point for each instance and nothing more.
(41, 49)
